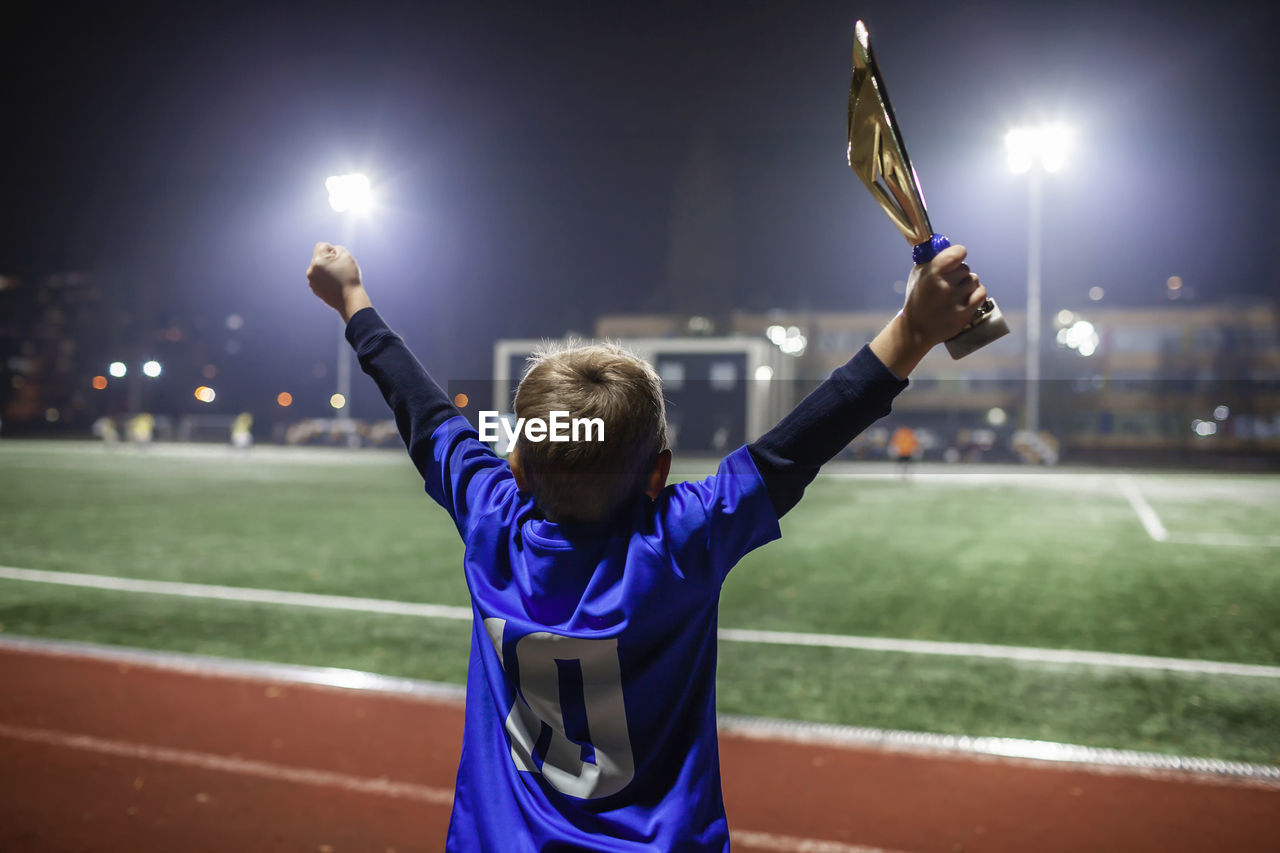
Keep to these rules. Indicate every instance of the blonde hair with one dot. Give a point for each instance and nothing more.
(588, 481)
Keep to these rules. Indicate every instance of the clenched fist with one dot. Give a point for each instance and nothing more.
(334, 276)
(942, 296)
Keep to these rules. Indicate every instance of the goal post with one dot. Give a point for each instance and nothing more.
(204, 428)
(721, 392)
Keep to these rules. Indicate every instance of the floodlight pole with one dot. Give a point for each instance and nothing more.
(348, 195)
(343, 372)
(1035, 150)
(1034, 237)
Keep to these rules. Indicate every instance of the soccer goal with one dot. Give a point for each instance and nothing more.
(720, 392)
(205, 428)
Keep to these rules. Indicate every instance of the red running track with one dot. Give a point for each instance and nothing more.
(107, 756)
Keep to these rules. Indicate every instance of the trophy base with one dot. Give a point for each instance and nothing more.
(987, 326)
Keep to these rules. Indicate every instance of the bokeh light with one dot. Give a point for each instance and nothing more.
(1080, 336)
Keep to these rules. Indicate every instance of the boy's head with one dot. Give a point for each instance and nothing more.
(588, 480)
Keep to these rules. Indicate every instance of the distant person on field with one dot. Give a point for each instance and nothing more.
(904, 444)
(242, 431)
(590, 713)
(105, 429)
(142, 428)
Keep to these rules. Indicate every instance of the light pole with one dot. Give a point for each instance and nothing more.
(1035, 150)
(350, 195)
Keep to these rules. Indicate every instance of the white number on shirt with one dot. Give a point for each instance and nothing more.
(595, 762)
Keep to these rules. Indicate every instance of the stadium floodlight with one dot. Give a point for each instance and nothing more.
(350, 193)
(117, 369)
(151, 368)
(1048, 145)
(1034, 151)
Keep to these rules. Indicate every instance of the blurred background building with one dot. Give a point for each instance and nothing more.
(1181, 382)
(1149, 384)
(52, 339)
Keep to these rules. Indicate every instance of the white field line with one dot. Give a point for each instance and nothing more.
(1234, 539)
(1157, 531)
(787, 844)
(1038, 752)
(1035, 752)
(736, 635)
(209, 666)
(985, 650)
(1068, 480)
(229, 764)
(381, 787)
(1146, 514)
(242, 594)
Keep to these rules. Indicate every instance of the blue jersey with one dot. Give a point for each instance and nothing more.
(590, 717)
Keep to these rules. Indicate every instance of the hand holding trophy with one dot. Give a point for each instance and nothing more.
(878, 155)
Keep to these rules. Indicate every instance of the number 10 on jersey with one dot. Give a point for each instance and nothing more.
(568, 721)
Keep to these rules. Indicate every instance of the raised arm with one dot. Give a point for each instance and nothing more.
(417, 401)
(942, 296)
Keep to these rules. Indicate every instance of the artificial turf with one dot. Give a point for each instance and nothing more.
(1055, 561)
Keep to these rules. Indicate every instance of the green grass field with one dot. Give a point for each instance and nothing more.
(962, 554)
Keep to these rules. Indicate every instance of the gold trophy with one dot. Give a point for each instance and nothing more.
(878, 156)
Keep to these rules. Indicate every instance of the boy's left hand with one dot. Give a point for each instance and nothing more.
(942, 297)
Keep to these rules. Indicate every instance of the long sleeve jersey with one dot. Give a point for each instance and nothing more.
(590, 712)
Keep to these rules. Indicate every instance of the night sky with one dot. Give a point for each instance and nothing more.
(542, 163)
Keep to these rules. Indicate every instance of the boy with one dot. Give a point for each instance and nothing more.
(590, 714)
